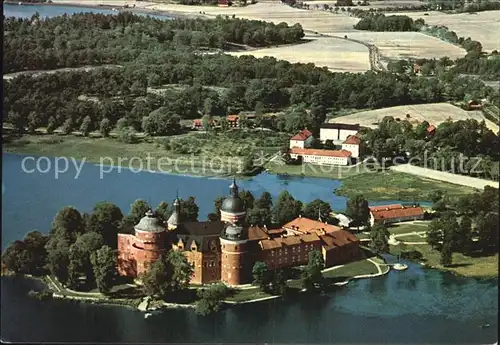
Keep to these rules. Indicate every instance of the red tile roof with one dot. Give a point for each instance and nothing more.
(306, 225)
(384, 207)
(302, 135)
(401, 211)
(352, 140)
(232, 117)
(288, 241)
(257, 233)
(338, 239)
(431, 128)
(317, 152)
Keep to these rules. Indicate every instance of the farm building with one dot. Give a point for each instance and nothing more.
(322, 157)
(389, 214)
(352, 144)
(337, 131)
(302, 140)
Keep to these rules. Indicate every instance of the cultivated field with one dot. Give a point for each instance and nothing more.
(482, 26)
(338, 55)
(404, 45)
(434, 113)
(373, 4)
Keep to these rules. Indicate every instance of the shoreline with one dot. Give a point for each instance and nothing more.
(118, 9)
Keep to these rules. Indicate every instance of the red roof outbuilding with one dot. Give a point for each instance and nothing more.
(302, 135)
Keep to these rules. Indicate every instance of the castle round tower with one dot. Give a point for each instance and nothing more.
(150, 241)
(234, 239)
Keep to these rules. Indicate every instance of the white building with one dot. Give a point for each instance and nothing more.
(302, 139)
(352, 144)
(337, 131)
(321, 157)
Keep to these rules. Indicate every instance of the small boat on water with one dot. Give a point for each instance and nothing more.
(486, 325)
(341, 283)
(147, 315)
(399, 267)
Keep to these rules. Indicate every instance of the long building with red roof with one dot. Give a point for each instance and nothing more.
(395, 213)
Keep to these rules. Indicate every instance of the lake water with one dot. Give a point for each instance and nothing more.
(26, 11)
(44, 195)
(415, 306)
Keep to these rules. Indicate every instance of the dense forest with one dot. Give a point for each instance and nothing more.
(96, 39)
(380, 22)
(188, 81)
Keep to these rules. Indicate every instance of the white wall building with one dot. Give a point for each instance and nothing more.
(337, 131)
(352, 144)
(321, 157)
(302, 139)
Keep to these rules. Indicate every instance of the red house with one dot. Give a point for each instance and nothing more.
(224, 3)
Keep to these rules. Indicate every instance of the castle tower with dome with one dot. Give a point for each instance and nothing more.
(227, 250)
(233, 239)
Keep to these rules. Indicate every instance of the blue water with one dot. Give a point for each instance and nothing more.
(44, 194)
(26, 11)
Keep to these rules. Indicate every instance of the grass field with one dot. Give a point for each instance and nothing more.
(337, 54)
(204, 154)
(404, 45)
(306, 169)
(434, 113)
(478, 267)
(396, 186)
(481, 26)
(352, 269)
(408, 227)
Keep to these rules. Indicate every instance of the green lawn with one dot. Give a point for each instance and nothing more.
(412, 238)
(477, 267)
(311, 170)
(408, 227)
(247, 295)
(389, 185)
(352, 269)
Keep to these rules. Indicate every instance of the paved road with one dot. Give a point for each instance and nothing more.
(445, 176)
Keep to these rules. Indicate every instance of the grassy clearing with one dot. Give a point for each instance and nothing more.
(311, 170)
(352, 269)
(391, 185)
(412, 238)
(404, 228)
(247, 295)
(192, 153)
(476, 267)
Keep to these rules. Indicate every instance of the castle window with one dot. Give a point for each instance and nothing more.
(235, 247)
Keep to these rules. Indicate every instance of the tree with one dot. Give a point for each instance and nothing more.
(182, 270)
(247, 198)
(224, 124)
(463, 235)
(189, 209)
(137, 210)
(104, 267)
(58, 257)
(105, 127)
(67, 223)
(106, 220)
(379, 236)
(34, 243)
(51, 125)
(259, 216)
(15, 257)
(261, 275)
(446, 254)
(162, 211)
(210, 299)
(247, 166)
(357, 208)
(17, 120)
(280, 286)
(286, 208)
(68, 126)
(33, 121)
(156, 280)
(311, 276)
(317, 208)
(80, 253)
(86, 126)
(265, 201)
(435, 233)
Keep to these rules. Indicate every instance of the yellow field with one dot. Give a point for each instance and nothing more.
(404, 45)
(434, 113)
(482, 26)
(338, 55)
